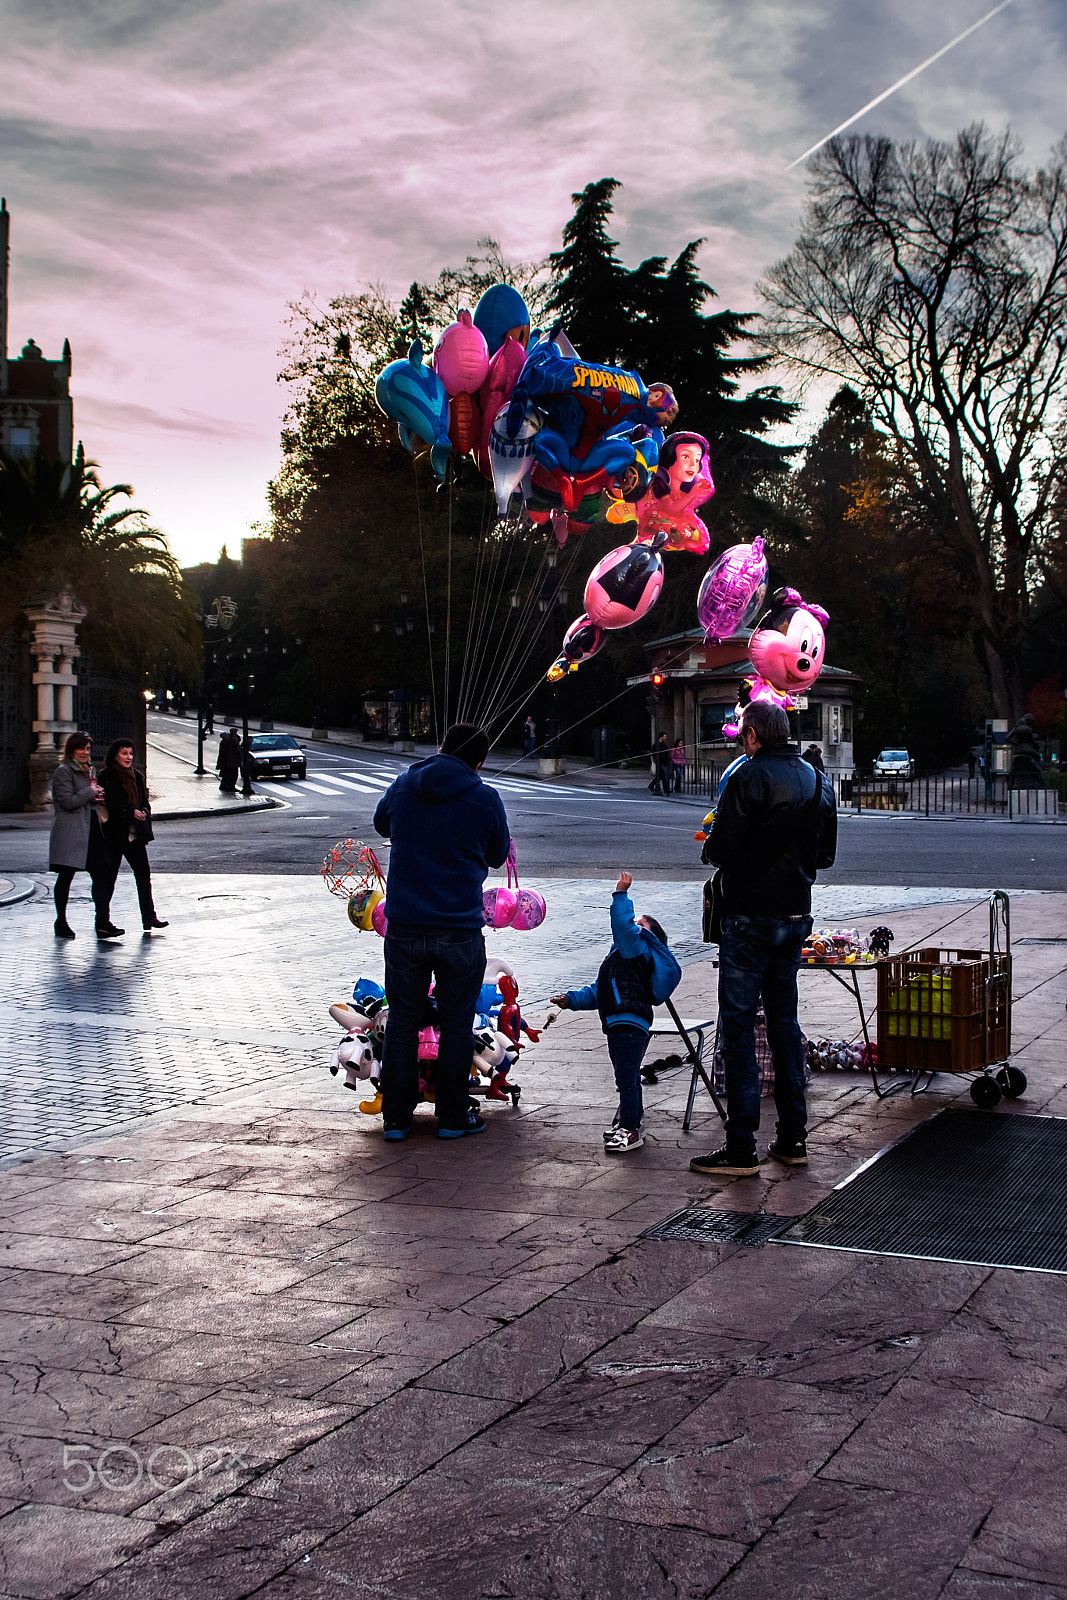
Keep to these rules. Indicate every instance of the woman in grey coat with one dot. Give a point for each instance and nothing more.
(76, 842)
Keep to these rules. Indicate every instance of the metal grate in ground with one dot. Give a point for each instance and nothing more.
(729, 1227)
(970, 1186)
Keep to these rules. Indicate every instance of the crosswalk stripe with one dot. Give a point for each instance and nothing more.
(316, 788)
(352, 783)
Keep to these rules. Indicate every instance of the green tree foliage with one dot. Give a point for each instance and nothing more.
(59, 525)
(934, 279)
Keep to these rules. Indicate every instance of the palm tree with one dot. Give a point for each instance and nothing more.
(60, 525)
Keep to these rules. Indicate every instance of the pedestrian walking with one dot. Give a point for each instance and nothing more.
(775, 825)
(529, 736)
(209, 716)
(76, 841)
(971, 762)
(661, 757)
(813, 756)
(447, 828)
(637, 972)
(678, 764)
(128, 827)
(228, 762)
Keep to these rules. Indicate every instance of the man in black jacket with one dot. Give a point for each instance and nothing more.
(775, 824)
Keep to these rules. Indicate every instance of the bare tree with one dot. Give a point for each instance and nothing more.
(934, 279)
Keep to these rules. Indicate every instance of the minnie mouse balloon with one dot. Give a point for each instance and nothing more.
(625, 584)
(733, 590)
(788, 647)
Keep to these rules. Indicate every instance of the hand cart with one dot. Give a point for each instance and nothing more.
(950, 1011)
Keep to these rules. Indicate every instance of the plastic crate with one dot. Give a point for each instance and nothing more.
(944, 1010)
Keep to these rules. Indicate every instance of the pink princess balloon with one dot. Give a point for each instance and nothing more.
(625, 584)
(733, 590)
(682, 481)
(499, 906)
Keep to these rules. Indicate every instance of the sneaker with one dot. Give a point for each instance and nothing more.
(473, 1124)
(793, 1152)
(609, 1133)
(623, 1140)
(396, 1130)
(721, 1164)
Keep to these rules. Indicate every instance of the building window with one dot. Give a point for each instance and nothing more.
(20, 442)
(846, 724)
(809, 722)
(712, 718)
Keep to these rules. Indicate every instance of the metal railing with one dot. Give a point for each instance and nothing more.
(927, 794)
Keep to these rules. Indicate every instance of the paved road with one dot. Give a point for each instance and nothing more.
(575, 827)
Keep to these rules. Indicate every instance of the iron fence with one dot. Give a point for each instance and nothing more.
(927, 794)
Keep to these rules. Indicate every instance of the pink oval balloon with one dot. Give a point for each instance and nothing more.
(499, 905)
(624, 585)
(461, 359)
(530, 911)
(732, 591)
(379, 921)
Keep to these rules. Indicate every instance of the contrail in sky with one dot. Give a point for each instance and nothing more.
(914, 73)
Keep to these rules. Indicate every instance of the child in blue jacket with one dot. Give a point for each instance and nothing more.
(638, 972)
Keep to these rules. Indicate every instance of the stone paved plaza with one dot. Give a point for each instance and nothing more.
(249, 1349)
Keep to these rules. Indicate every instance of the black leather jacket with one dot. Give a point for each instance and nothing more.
(768, 837)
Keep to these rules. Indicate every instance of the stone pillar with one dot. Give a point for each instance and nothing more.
(55, 620)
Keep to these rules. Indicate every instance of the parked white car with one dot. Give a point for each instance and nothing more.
(894, 764)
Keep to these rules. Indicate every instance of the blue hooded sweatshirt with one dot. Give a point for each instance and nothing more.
(637, 972)
(447, 829)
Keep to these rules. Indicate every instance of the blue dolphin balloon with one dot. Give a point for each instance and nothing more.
(414, 396)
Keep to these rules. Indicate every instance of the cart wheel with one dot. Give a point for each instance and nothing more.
(985, 1093)
(1012, 1081)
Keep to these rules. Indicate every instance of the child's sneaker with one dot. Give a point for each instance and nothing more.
(609, 1133)
(623, 1140)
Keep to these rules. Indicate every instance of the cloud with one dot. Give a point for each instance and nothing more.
(176, 174)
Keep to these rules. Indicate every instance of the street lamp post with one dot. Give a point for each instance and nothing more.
(246, 754)
(223, 615)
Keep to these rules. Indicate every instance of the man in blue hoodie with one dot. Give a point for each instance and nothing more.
(447, 828)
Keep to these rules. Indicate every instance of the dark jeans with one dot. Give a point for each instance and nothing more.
(626, 1047)
(761, 955)
(456, 962)
(137, 855)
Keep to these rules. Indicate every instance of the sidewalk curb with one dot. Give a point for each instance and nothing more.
(21, 889)
(257, 803)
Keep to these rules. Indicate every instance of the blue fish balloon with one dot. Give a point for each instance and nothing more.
(413, 395)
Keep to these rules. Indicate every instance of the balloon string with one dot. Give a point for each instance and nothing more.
(526, 640)
(448, 606)
(490, 569)
(510, 629)
(426, 603)
(479, 565)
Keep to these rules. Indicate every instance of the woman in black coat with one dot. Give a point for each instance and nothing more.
(128, 828)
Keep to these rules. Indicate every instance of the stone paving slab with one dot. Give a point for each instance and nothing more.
(286, 1359)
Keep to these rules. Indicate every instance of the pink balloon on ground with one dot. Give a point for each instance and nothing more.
(624, 585)
(461, 359)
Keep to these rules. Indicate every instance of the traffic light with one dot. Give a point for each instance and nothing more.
(657, 679)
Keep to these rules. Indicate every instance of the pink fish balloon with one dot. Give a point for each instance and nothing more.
(733, 590)
(461, 359)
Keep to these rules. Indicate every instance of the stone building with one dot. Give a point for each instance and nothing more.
(36, 410)
(699, 690)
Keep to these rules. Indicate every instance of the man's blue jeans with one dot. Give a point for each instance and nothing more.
(455, 960)
(761, 955)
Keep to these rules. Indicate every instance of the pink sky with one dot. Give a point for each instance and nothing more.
(177, 173)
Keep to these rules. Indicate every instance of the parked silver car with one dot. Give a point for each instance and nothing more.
(894, 764)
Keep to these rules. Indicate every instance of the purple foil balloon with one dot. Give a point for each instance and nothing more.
(733, 590)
